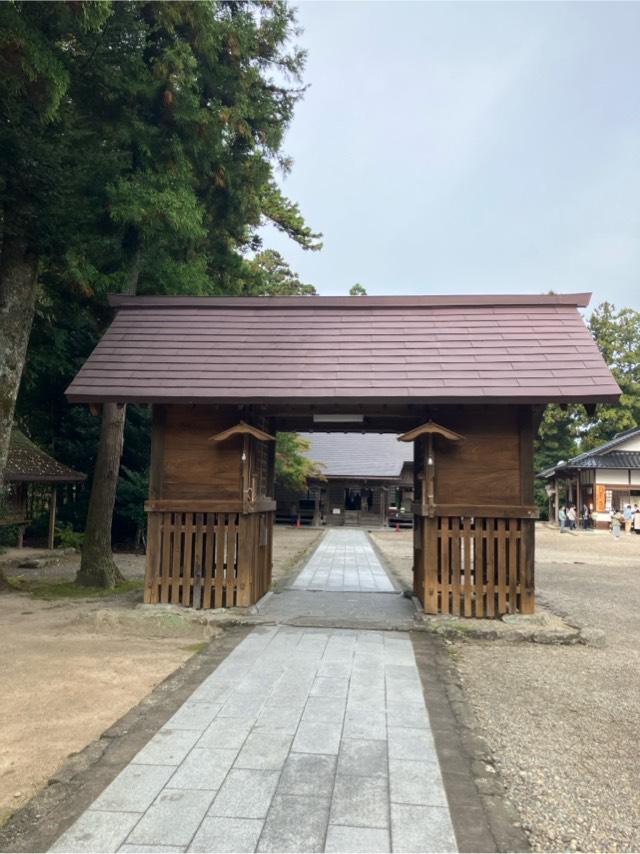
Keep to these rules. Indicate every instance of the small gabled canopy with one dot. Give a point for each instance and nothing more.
(243, 429)
(27, 463)
(430, 428)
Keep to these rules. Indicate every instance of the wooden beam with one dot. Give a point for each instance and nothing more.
(52, 517)
(242, 429)
(431, 428)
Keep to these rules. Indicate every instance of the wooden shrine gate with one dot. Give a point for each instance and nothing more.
(465, 378)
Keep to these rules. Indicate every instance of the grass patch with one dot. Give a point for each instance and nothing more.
(196, 647)
(42, 588)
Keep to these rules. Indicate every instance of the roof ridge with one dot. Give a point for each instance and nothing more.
(578, 300)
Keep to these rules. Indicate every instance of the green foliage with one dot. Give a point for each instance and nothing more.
(617, 333)
(357, 290)
(565, 433)
(68, 538)
(293, 468)
(133, 490)
(43, 588)
(139, 143)
(557, 440)
(273, 276)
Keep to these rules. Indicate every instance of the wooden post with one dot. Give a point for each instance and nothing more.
(556, 502)
(52, 517)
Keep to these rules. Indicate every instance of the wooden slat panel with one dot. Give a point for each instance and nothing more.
(446, 546)
(478, 564)
(187, 559)
(176, 563)
(491, 579)
(154, 560)
(197, 561)
(209, 561)
(166, 556)
(430, 564)
(502, 568)
(455, 565)
(468, 570)
(232, 560)
(513, 565)
(221, 543)
(527, 592)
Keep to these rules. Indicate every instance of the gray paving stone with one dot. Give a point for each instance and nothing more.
(360, 723)
(204, 768)
(295, 824)
(97, 831)
(363, 758)
(358, 840)
(325, 686)
(172, 819)
(317, 737)
(360, 801)
(308, 775)
(134, 789)
(167, 747)
(324, 709)
(151, 849)
(421, 829)
(416, 783)
(265, 750)
(227, 835)
(284, 718)
(409, 743)
(407, 715)
(194, 714)
(226, 733)
(246, 793)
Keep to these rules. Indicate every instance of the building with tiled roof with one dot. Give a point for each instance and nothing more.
(607, 477)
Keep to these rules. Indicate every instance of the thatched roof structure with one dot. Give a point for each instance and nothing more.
(27, 463)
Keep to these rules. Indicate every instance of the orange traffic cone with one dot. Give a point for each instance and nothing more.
(298, 523)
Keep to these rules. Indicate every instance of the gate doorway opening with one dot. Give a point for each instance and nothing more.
(463, 379)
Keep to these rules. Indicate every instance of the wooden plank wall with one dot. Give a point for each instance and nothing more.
(208, 560)
(475, 567)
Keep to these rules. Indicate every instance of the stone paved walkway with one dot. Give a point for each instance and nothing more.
(344, 561)
(301, 740)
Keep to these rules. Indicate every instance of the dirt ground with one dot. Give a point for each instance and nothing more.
(563, 721)
(70, 668)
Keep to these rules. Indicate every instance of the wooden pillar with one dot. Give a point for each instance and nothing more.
(556, 507)
(52, 517)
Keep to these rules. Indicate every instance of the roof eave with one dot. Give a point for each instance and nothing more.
(507, 399)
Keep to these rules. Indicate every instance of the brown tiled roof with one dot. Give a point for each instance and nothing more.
(29, 463)
(359, 455)
(318, 349)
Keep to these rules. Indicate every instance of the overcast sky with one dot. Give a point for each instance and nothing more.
(469, 147)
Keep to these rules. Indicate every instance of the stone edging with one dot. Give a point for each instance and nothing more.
(483, 818)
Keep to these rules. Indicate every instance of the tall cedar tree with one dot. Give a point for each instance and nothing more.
(181, 110)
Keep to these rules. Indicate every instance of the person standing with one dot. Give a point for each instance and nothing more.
(586, 517)
(616, 523)
(562, 518)
(628, 518)
(571, 517)
(636, 519)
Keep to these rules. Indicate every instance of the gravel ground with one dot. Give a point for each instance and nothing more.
(564, 721)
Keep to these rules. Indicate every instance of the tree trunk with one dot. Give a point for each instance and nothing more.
(97, 566)
(18, 273)
(18, 276)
